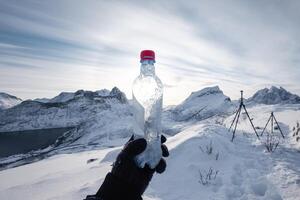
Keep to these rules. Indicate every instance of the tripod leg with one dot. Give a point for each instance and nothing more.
(236, 113)
(237, 120)
(250, 121)
(266, 126)
(278, 127)
(268, 142)
(272, 124)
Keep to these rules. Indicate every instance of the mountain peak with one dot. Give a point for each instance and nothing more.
(62, 97)
(274, 95)
(206, 91)
(202, 104)
(8, 101)
(117, 93)
(5, 95)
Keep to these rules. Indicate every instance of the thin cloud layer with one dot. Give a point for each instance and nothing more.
(54, 46)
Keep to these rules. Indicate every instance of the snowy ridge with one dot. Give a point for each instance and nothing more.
(62, 97)
(8, 101)
(42, 100)
(66, 96)
(274, 95)
(103, 92)
(202, 105)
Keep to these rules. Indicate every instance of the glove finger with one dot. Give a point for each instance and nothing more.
(161, 167)
(165, 151)
(131, 139)
(163, 139)
(135, 147)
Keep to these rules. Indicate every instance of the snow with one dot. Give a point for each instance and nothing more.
(59, 177)
(8, 101)
(245, 170)
(239, 168)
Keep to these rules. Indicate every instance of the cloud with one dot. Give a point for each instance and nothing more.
(55, 46)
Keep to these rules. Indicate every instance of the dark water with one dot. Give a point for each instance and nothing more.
(18, 142)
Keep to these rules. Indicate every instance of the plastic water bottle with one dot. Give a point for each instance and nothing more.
(147, 92)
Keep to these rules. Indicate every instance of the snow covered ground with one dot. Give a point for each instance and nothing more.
(242, 169)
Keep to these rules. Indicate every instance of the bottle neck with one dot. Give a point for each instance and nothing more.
(147, 67)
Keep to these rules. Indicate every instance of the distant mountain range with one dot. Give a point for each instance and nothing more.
(106, 114)
(98, 116)
(269, 96)
(273, 96)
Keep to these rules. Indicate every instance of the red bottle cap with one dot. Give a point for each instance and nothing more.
(147, 55)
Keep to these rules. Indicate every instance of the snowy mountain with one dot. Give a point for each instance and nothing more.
(274, 95)
(202, 104)
(97, 118)
(8, 101)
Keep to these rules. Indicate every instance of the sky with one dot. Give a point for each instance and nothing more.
(47, 47)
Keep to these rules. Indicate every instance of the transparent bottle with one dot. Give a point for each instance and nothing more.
(147, 93)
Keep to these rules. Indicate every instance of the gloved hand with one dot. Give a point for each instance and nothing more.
(126, 180)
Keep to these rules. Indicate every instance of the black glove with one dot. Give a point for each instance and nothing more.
(126, 180)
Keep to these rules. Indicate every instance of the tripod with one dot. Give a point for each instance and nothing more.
(272, 119)
(237, 116)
